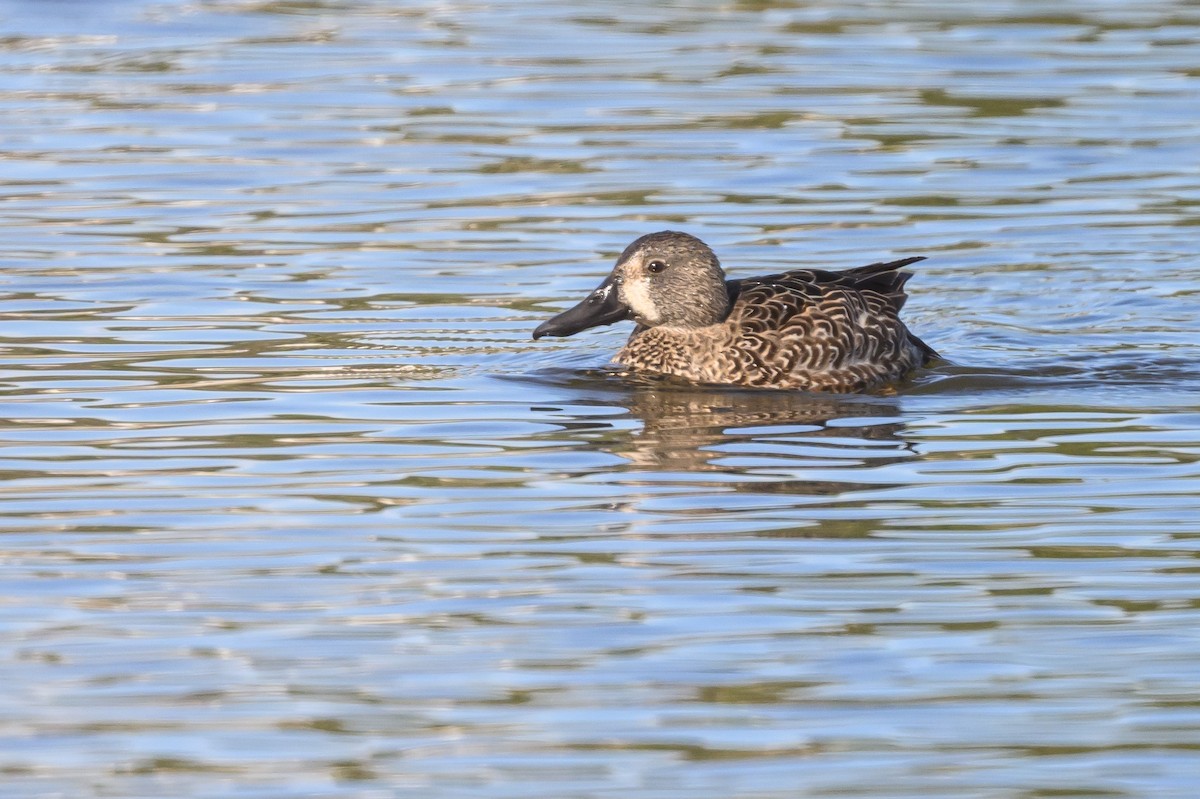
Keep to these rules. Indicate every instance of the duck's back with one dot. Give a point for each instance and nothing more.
(806, 329)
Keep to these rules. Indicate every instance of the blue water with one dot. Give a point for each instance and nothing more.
(292, 506)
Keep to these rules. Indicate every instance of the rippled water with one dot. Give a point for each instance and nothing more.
(293, 507)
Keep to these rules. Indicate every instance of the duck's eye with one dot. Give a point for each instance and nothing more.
(655, 267)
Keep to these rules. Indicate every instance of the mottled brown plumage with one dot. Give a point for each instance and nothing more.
(804, 329)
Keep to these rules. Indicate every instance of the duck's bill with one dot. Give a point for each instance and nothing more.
(601, 307)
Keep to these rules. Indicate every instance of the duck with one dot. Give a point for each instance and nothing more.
(806, 329)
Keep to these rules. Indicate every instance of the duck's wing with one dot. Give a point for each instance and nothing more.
(819, 321)
(883, 278)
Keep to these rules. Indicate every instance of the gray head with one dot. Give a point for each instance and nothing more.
(664, 278)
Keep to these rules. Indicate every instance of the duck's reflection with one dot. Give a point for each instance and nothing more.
(685, 428)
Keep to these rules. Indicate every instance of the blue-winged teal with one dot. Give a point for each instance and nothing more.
(806, 329)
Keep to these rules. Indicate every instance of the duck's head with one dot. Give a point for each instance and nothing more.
(664, 278)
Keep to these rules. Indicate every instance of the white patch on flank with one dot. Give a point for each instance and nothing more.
(637, 297)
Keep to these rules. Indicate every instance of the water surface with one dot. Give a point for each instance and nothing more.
(293, 506)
